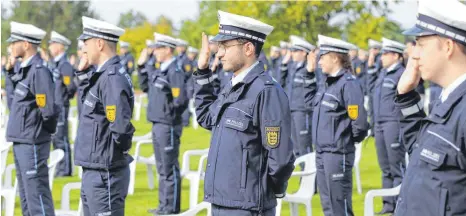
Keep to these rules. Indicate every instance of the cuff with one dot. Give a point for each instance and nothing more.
(409, 103)
(203, 77)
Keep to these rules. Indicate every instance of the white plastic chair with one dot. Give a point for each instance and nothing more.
(10, 197)
(196, 209)
(149, 161)
(138, 104)
(357, 159)
(73, 121)
(65, 201)
(306, 187)
(192, 110)
(193, 176)
(55, 157)
(369, 199)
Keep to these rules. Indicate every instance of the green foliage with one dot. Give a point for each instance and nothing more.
(131, 19)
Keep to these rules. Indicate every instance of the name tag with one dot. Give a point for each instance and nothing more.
(433, 157)
(388, 85)
(235, 124)
(338, 176)
(88, 103)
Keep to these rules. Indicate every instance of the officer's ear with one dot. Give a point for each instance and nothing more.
(100, 43)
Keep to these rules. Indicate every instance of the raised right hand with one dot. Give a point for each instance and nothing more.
(204, 54)
(410, 78)
(83, 63)
(143, 57)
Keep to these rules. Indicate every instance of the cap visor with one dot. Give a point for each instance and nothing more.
(220, 38)
(323, 52)
(11, 40)
(84, 37)
(416, 31)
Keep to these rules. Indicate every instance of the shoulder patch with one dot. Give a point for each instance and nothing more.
(272, 136)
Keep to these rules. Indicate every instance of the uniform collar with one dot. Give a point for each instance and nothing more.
(441, 109)
(59, 57)
(394, 67)
(337, 74)
(165, 64)
(240, 77)
(448, 90)
(107, 63)
(27, 62)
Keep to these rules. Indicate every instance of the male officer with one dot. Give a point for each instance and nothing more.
(65, 89)
(358, 66)
(167, 102)
(81, 76)
(15, 65)
(301, 89)
(105, 130)
(146, 65)
(251, 155)
(32, 119)
(374, 66)
(186, 64)
(435, 181)
(126, 58)
(192, 57)
(362, 76)
(275, 63)
(220, 77)
(390, 149)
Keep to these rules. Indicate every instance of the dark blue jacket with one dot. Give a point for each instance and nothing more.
(105, 130)
(435, 180)
(127, 61)
(435, 91)
(167, 95)
(33, 113)
(301, 89)
(65, 88)
(384, 95)
(145, 71)
(217, 74)
(251, 154)
(82, 80)
(9, 83)
(265, 62)
(339, 118)
(360, 68)
(275, 71)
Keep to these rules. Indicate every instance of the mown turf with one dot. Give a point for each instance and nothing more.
(144, 198)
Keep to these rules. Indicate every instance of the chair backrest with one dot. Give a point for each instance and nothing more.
(307, 184)
(55, 157)
(4, 148)
(357, 154)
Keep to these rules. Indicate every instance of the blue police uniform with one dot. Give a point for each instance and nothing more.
(82, 78)
(359, 68)
(251, 155)
(371, 78)
(167, 102)
(187, 65)
(435, 91)
(218, 75)
(339, 120)
(435, 181)
(105, 130)
(390, 149)
(275, 64)
(265, 62)
(144, 72)
(32, 121)
(64, 91)
(127, 61)
(9, 83)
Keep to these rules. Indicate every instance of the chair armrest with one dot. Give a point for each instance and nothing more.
(187, 154)
(138, 147)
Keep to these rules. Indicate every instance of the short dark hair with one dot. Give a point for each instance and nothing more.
(345, 61)
(111, 45)
(257, 45)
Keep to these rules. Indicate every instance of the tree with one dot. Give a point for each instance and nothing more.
(63, 17)
(131, 19)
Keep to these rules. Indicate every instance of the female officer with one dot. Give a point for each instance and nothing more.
(339, 120)
(300, 88)
(390, 151)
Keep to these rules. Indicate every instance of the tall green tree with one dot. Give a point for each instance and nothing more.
(63, 17)
(131, 19)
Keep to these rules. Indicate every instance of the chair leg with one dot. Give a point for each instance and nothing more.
(278, 209)
(294, 209)
(193, 191)
(309, 208)
(358, 179)
(150, 176)
(132, 177)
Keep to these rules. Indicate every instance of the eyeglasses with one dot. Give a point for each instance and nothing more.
(223, 48)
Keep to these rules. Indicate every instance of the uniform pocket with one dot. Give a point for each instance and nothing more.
(244, 168)
(95, 136)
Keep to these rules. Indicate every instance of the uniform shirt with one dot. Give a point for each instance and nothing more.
(240, 77)
(448, 90)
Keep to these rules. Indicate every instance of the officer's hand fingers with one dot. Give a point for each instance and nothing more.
(205, 42)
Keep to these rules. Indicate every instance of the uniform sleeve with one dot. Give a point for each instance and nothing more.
(310, 88)
(143, 77)
(130, 64)
(118, 101)
(178, 85)
(412, 114)
(283, 74)
(274, 117)
(44, 90)
(204, 96)
(354, 103)
(68, 77)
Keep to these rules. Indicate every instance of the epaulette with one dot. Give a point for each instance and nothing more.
(268, 80)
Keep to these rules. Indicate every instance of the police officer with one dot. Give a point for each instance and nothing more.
(362, 75)
(32, 119)
(374, 66)
(301, 89)
(64, 91)
(146, 65)
(275, 63)
(167, 102)
(358, 66)
(435, 181)
(192, 58)
(338, 122)
(186, 64)
(9, 87)
(251, 155)
(81, 76)
(263, 59)
(105, 130)
(220, 77)
(126, 58)
(390, 149)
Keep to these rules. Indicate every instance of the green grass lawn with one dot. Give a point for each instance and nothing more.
(144, 198)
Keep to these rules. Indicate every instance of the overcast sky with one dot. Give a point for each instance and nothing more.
(178, 10)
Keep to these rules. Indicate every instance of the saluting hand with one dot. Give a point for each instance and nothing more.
(311, 62)
(203, 60)
(143, 57)
(10, 62)
(215, 64)
(83, 63)
(287, 57)
(410, 77)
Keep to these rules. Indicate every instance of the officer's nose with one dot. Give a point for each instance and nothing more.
(416, 52)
